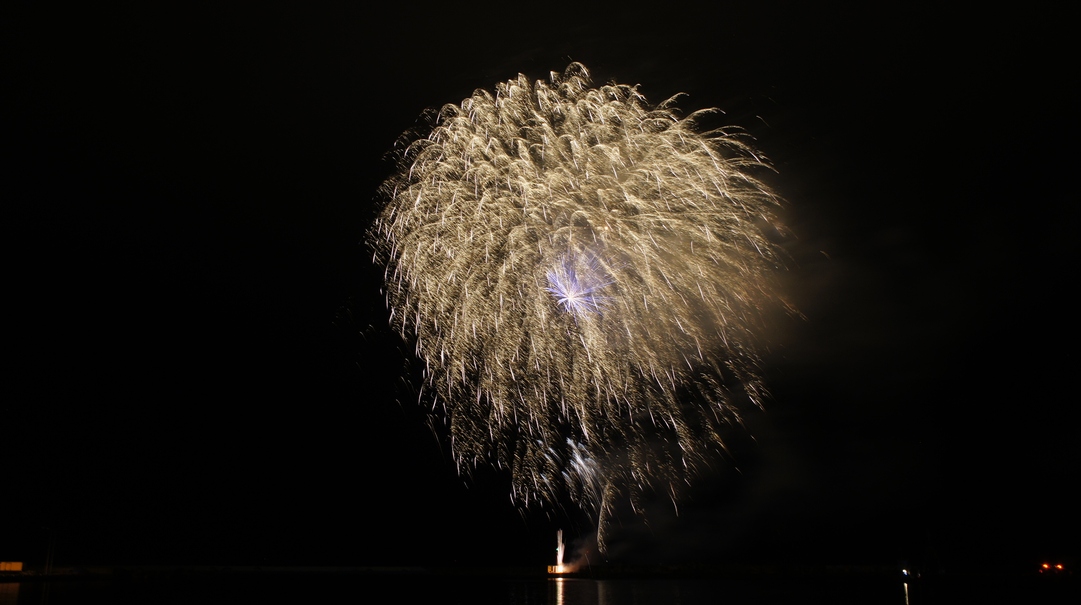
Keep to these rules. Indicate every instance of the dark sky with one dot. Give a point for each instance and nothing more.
(198, 365)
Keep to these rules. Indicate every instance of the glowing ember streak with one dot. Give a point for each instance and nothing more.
(583, 276)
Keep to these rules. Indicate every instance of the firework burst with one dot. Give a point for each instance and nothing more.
(583, 275)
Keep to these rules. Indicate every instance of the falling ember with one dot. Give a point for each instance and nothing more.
(583, 276)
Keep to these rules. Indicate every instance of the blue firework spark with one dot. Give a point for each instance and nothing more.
(577, 289)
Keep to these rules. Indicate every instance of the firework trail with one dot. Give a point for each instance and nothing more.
(583, 275)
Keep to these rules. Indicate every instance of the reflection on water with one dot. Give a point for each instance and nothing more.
(9, 593)
(437, 587)
(428, 588)
(577, 591)
(423, 588)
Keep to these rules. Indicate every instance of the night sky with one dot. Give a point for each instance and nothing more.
(198, 365)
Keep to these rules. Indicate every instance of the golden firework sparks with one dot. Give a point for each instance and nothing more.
(583, 276)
